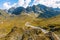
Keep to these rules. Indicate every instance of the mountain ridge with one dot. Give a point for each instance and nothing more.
(42, 10)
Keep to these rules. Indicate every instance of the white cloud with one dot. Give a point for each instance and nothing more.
(25, 3)
(8, 5)
(20, 2)
(50, 3)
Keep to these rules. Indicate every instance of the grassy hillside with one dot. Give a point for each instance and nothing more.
(12, 27)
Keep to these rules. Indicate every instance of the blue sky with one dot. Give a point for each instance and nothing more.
(3, 1)
(6, 4)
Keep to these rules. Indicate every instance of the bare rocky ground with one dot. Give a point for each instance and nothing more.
(28, 34)
(25, 34)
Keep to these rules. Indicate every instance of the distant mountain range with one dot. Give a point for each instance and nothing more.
(56, 9)
(42, 10)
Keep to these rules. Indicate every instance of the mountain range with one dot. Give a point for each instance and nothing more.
(42, 10)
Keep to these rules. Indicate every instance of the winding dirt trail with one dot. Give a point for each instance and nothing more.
(55, 36)
(34, 27)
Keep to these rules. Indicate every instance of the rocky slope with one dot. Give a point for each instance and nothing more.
(43, 11)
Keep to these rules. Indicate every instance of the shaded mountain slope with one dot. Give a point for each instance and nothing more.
(43, 11)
